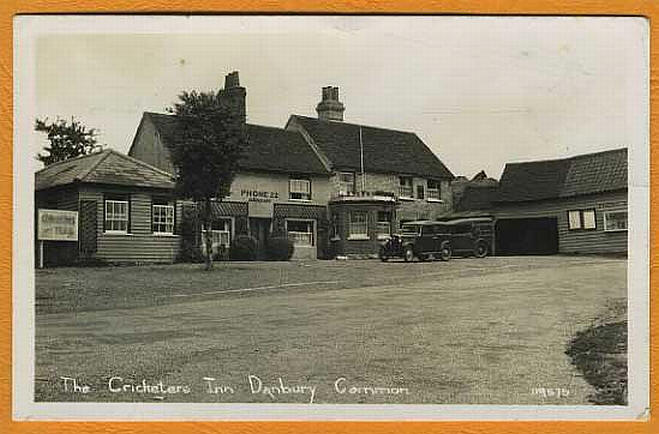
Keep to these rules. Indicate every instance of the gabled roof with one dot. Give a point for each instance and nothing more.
(385, 151)
(476, 198)
(551, 179)
(269, 149)
(105, 167)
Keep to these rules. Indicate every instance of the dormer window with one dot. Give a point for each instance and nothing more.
(299, 189)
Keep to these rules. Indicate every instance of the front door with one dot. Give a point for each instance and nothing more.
(259, 228)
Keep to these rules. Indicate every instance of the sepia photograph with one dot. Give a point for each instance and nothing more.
(331, 217)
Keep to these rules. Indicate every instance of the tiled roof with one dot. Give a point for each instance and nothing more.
(476, 198)
(268, 148)
(106, 167)
(385, 151)
(583, 174)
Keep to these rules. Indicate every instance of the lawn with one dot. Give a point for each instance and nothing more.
(490, 331)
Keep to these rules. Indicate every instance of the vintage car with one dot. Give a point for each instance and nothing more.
(420, 239)
(440, 239)
(471, 236)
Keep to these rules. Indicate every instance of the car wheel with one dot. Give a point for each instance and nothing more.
(446, 252)
(409, 254)
(481, 250)
(382, 254)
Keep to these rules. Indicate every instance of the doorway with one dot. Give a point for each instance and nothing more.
(527, 236)
(259, 228)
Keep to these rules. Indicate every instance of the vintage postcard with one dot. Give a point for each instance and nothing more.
(331, 217)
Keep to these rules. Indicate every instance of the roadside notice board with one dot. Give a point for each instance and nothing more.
(57, 225)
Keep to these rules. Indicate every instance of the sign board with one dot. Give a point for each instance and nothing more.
(260, 209)
(57, 225)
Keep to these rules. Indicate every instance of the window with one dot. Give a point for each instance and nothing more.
(162, 217)
(434, 192)
(406, 189)
(358, 224)
(420, 192)
(581, 219)
(116, 215)
(299, 189)
(588, 217)
(384, 224)
(615, 220)
(220, 235)
(300, 232)
(346, 183)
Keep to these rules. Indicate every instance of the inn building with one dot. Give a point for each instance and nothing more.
(334, 187)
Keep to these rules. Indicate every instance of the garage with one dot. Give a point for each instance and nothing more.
(527, 236)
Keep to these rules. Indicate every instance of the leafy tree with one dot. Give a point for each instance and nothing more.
(206, 148)
(66, 140)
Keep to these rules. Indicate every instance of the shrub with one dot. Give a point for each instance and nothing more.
(190, 253)
(243, 248)
(280, 249)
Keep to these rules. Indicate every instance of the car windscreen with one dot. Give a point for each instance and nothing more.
(411, 230)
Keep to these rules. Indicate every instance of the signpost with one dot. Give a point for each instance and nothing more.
(56, 225)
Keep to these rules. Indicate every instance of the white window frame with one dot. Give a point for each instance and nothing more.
(166, 222)
(406, 191)
(291, 190)
(361, 235)
(434, 194)
(581, 224)
(345, 188)
(422, 188)
(297, 235)
(574, 225)
(218, 233)
(107, 219)
(381, 224)
(606, 213)
(583, 219)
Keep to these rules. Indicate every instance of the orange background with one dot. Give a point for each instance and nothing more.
(8, 8)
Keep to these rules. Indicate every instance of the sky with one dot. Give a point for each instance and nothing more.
(480, 91)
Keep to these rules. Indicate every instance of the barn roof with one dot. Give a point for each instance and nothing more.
(550, 179)
(105, 167)
(385, 150)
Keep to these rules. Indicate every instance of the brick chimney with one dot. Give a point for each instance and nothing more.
(330, 108)
(234, 94)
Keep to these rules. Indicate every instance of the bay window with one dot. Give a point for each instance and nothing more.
(384, 224)
(358, 227)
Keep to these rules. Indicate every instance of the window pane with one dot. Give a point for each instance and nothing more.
(616, 221)
(589, 219)
(574, 220)
(358, 223)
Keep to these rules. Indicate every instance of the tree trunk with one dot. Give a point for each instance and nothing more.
(208, 237)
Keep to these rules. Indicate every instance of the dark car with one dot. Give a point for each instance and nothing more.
(471, 236)
(419, 239)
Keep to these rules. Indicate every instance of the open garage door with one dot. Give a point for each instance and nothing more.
(527, 236)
